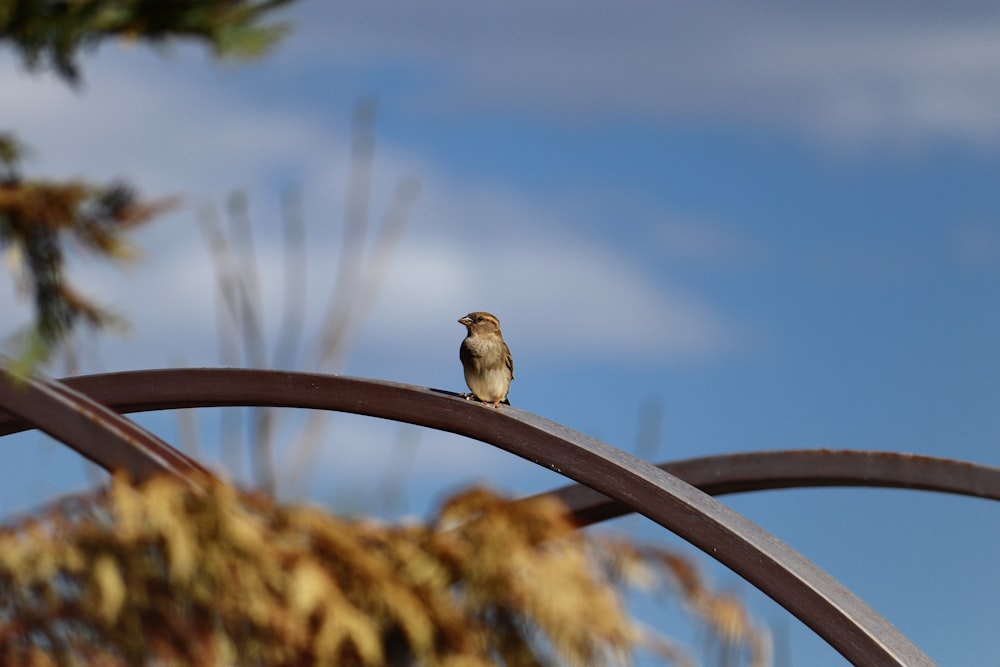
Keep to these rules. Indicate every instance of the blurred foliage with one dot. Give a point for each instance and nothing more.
(34, 218)
(162, 574)
(51, 32)
(34, 215)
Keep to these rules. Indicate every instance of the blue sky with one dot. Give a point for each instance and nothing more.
(779, 223)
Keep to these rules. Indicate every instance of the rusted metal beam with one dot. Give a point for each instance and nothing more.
(852, 627)
(757, 471)
(141, 391)
(92, 429)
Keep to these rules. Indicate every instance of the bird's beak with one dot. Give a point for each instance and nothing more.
(466, 321)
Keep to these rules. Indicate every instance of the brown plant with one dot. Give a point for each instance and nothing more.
(161, 574)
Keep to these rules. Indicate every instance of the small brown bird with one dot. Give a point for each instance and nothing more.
(486, 359)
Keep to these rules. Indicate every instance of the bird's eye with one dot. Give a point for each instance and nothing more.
(480, 318)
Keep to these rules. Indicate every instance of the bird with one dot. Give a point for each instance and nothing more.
(486, 359)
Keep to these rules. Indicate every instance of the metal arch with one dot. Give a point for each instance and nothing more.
(785, 469)
(853, 628)
(92, 429)
(138, 391)
(717, 475)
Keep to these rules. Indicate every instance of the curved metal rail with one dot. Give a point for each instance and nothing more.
(92, 429)
(852, 627)
(785, 469)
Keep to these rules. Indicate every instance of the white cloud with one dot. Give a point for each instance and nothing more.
(169, 129)
(848, 71)
(563, 300)
(469, 244)
(564, 296)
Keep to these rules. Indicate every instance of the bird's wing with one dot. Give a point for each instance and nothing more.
(464, 353)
